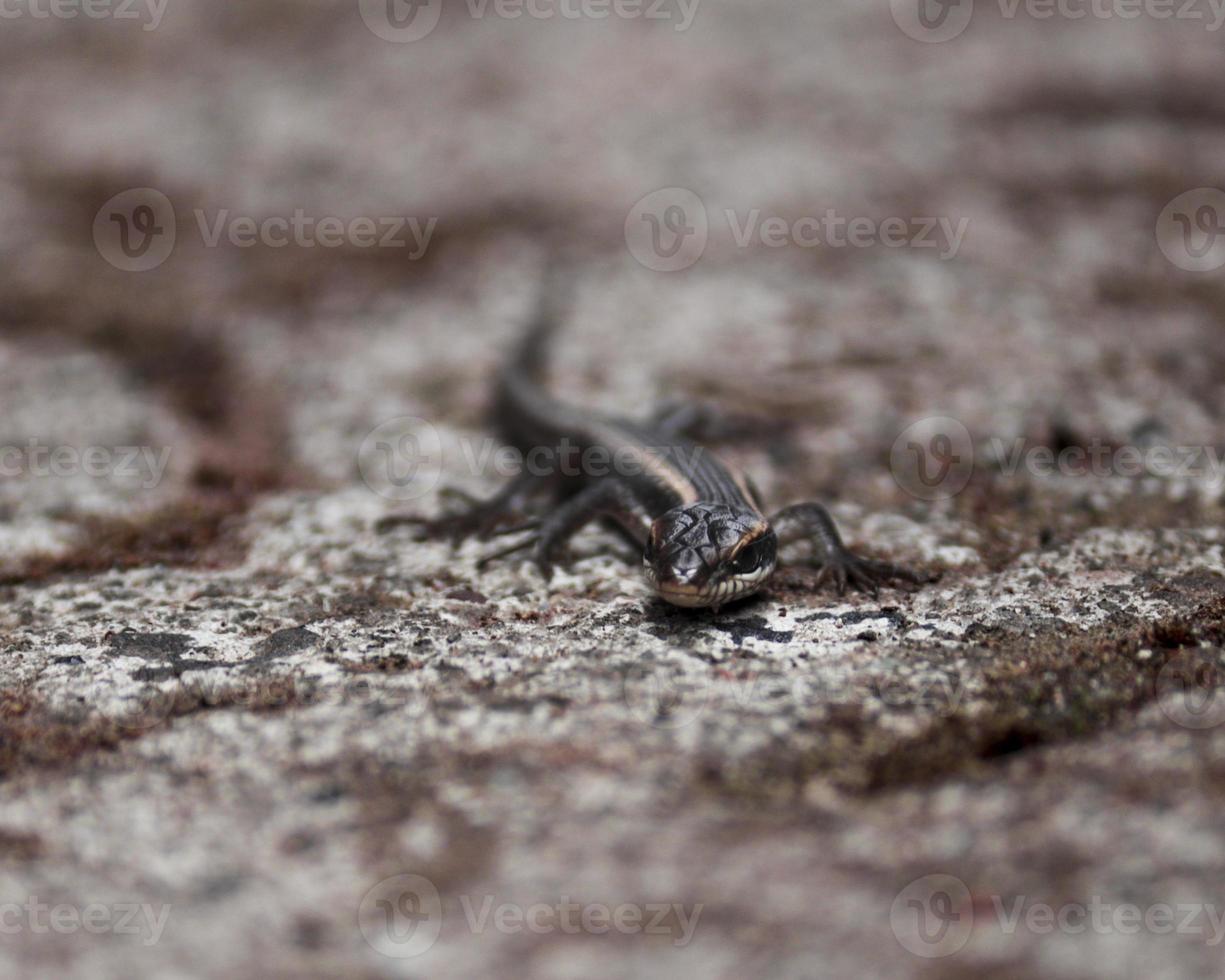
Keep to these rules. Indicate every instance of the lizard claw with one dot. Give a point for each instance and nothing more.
(545, 567)
(480, 522)
(864, 574)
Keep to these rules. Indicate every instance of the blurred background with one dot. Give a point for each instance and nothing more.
(1008, 174)
(236, 238)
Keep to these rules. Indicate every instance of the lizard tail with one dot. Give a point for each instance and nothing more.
(530, 356)
(521, 397)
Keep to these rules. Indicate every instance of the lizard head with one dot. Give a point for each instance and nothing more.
(708, 554)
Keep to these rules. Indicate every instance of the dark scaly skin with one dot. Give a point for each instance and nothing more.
(704, 537)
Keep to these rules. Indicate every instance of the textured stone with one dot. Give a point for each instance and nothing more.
(245, 696)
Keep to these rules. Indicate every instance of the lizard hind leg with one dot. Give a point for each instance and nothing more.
(482, 519)
(551, 533)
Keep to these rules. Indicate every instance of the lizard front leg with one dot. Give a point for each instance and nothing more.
(838, 564)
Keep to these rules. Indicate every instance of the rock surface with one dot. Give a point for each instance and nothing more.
(250, 727)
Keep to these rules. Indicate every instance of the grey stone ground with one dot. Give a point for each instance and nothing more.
(230, 694)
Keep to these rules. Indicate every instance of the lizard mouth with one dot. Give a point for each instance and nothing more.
(711, 593)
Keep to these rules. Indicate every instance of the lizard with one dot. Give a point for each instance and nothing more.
(699, 524)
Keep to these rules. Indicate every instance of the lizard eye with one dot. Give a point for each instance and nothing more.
(749, 560)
